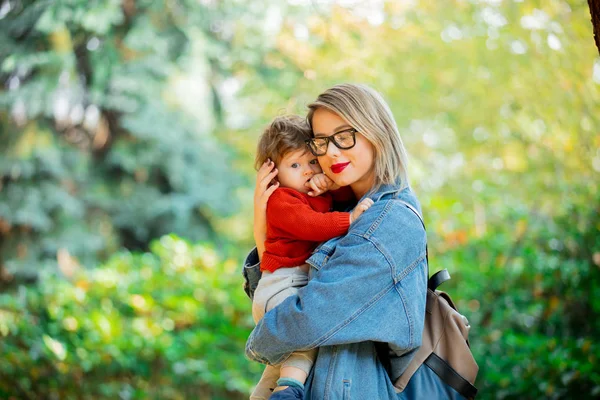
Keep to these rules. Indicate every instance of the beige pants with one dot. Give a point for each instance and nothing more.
(272, 289)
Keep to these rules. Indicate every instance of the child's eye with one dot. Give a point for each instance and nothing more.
(295, 165)
(315, 161)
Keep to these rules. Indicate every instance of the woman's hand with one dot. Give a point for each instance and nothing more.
(319, 184)
(263, 190)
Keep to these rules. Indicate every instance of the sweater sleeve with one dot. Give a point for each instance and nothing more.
(294, 217)
(343, 194)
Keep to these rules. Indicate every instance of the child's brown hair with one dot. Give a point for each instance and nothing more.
(283, 135)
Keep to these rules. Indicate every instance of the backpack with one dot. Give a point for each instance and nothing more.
(445, 347)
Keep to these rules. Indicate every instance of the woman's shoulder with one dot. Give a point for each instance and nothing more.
(390, 220)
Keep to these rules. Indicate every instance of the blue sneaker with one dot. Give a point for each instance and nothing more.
(289, 393)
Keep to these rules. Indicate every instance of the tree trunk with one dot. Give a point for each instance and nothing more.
(595, 11)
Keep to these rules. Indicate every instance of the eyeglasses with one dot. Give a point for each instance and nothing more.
(344, 140)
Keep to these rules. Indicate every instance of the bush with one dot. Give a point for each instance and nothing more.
(169, 324)
(532, 294)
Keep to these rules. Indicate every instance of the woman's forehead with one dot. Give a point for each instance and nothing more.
(326, 122)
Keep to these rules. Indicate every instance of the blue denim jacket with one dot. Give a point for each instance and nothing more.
(366, 287)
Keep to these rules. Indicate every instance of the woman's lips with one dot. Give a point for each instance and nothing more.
(337, 168)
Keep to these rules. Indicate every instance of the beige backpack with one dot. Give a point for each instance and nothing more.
(445, 347)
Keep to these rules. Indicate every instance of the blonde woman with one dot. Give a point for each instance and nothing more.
(367, 289)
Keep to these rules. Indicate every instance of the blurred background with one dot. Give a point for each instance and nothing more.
(127, 136)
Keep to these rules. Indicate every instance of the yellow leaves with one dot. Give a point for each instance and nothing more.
(32, 138)
(56, 347)
(474, 305)
(520, 227)
(455, 238)
(7, 320)
(587, 344)
(67, 264)
(61, 41)
(82, 284)
(596, 258)
(514, 158)
(70, 324)
(141, 304)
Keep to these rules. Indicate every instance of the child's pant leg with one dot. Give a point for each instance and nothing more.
(272, 289)
(275, 287)
(268, 382)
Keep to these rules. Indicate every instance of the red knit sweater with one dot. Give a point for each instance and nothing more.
(296, 224)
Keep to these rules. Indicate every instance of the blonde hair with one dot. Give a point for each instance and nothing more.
(367, 112)
(284, 134)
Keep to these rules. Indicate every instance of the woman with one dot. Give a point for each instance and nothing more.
(366, 288)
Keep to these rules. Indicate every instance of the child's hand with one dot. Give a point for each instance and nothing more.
(360, 208)
(320, 183)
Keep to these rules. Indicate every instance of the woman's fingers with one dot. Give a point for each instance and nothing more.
(264, 170)
(266, 173)
(270, 191)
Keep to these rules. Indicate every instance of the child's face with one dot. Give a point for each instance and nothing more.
(296, 168)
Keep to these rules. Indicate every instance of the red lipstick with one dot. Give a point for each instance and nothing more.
(337, 168)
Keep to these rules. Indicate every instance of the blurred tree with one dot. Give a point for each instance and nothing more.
(97, 152)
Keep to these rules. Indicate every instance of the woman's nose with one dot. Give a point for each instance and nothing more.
(332, 150)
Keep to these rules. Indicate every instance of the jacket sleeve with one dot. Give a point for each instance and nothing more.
(298, 220)
(358, 295)
(251, 273)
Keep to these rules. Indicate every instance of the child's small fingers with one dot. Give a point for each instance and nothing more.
(314, 187)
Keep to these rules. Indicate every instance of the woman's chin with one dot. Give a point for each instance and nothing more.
(341, 180)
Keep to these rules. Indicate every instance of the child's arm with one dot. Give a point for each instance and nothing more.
(296, 219)
(262, 192)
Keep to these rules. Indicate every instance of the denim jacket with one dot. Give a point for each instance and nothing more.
(366, 288)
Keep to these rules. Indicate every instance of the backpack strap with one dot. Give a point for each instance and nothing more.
(450, 376)
(411, 208)
(439, 277)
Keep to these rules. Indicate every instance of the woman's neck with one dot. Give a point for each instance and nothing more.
(362, 186)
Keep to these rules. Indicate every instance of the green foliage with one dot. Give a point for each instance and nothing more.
(96, 155)
(121, 121)
(532, 301)
(168, 324)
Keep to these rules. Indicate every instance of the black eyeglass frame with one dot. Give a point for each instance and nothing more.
(332, 138)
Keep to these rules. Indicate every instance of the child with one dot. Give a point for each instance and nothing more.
(296, 224)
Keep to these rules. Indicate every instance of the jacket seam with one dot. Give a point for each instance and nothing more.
(365, 307)
(408, 317)
(410, 268)
(373, 227)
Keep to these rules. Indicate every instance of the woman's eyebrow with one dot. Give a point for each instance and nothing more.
(336, 130)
